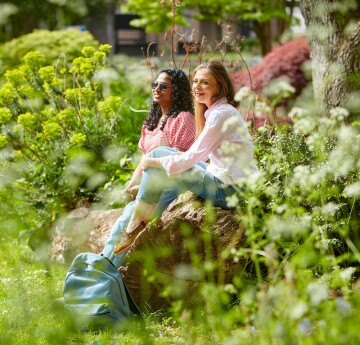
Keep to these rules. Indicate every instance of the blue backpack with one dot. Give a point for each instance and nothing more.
(95, 293)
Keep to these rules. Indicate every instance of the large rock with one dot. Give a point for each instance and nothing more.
(82, 230)
(189, 244)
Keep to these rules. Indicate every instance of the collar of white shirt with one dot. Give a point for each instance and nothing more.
(220, 101)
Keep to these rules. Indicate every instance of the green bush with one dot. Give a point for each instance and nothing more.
(57, 47)
(61, 138)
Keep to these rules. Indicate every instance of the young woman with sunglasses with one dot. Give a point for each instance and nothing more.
(171, 123)
(222, 136)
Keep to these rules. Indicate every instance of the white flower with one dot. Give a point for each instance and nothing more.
(301, 175)
(343, 305)
(231, 122)
(305, 125)
(339, 113)
(106, 75)
(330, 208)
(318, 292)
(243, 93)
(262, 108)
(297, 113)
(284, 86)
(279, 89)
(299, 310)
(313, 140)
(352, 190)
(347, 273)
(287, 228)
(232, 201)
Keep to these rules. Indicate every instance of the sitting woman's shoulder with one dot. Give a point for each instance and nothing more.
(223, 112)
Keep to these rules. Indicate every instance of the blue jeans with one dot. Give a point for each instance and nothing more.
(121, 223)
(196, 180)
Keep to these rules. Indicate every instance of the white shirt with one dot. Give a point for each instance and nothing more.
(225, 140)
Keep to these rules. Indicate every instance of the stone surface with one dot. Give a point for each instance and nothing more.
(82, 230)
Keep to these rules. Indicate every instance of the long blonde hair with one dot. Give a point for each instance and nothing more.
(226, 89)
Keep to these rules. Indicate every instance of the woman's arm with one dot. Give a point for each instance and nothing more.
(209, 140)
(147, 162)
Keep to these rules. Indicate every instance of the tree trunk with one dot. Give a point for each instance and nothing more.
(334, 35)
(101, 22)
(263, 32)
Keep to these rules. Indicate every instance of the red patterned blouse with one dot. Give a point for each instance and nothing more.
(178, 132)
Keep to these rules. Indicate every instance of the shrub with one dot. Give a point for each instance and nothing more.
(284, 61)
(55, 47)
(62, 139)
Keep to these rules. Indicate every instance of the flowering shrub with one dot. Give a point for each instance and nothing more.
(284, 61)
(57, 126)
(297, 274)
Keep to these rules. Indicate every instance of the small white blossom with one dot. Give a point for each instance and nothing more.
(297, 113)
(231, 122)
(299, 310)
(301, 175)
(339, 113)
(106, 75)
(243, 93)
(318, 292)
(313, 140)
(343, 305)
(305, 125)
(347, 273)
(262, 108)
(279, 89)
(280, 228)
(305, 326)
(352, 190)
(330, 208)
(232, 201)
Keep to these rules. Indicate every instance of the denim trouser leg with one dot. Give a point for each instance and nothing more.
(196, 179)
(115, 235)
(121, 223)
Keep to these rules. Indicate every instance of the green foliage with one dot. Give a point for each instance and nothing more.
(298, 267)
(62, 139)
(157, 16)
(66, 135)
(20, 17)
(56, 47)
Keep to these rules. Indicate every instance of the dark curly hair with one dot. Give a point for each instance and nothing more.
(181, 98)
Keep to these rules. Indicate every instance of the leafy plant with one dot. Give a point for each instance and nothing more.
(61, 138)
(56, 47)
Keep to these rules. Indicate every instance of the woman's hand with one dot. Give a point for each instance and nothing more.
(132, 191)
(147, 162)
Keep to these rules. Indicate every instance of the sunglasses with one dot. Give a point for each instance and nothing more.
(163, 86)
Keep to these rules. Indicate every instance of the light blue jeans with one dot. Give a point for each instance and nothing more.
(196, 180)
(121, 223)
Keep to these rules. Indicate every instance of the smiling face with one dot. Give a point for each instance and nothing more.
(205, 87)
(161, 90)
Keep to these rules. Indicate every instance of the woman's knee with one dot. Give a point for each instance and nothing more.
(161, 151)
